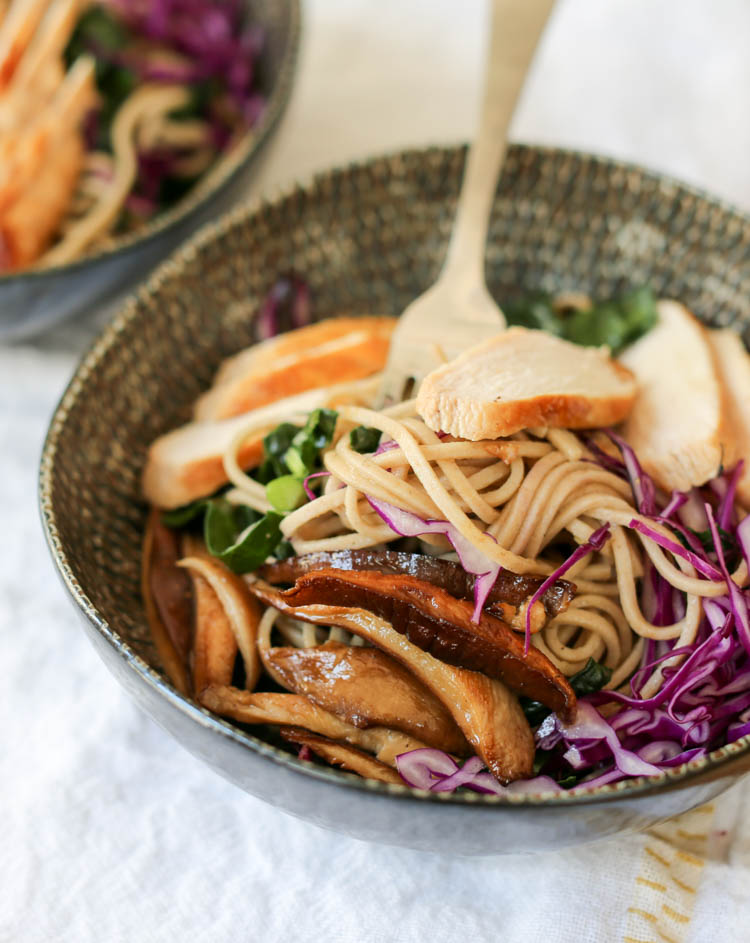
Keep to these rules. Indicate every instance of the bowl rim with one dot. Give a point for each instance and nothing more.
(678, 777)
(219, 175)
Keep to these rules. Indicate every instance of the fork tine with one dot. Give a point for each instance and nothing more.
(392, 387)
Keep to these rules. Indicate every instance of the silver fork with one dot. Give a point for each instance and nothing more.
(458, 311)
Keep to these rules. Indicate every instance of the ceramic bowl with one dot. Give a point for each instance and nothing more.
(368, 239)
(33, 301)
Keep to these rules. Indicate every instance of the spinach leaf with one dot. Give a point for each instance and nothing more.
(179, 517)
(302, 455)
(364, 439)
(96, 31)
(275, 446)
(592, 677)
(289, 449)
(320, 426)
(729, 544)
(284, 550)
(246, 550)
(536, 312)
(535, 711)
(102, 35)
(616, 322)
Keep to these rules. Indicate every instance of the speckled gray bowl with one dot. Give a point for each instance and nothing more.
(33, 301)
(368, 239)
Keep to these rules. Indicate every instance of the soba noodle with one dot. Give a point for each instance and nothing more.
(523, 501)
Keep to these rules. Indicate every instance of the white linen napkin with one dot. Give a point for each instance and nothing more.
(109, 831)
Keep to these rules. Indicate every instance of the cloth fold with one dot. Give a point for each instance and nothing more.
(110, 831)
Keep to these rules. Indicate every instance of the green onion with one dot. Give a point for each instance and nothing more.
(285, 493)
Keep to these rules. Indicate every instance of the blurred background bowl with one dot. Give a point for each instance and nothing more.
(33, 301)
(367, 239)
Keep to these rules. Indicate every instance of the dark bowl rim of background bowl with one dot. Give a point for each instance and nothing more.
(219, 175)
(717, 763)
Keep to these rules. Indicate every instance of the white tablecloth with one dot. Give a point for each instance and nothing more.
(108, 830)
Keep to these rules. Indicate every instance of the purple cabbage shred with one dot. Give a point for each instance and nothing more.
(684, 700)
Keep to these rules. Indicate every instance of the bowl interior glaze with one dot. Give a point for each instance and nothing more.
(368, 239)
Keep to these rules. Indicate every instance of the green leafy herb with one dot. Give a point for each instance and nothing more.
(364, 439)
(275, 447)
(241, 537)
(285, 493)
(729, 544)
(284, 550)
(616, 322)
(96, 29)
(246, 550)
(592, 677)
(302, 455)
(291, 450)
(182, 516)
(101, 34)
(535, 711)
(536, 312)
(320, 426)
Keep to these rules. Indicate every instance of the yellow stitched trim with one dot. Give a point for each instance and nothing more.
(632, 939)
(691, 859)
(685, 887)
(643, 913)
(655, 854)
(691, 836)
(655, 884)
(663, 935)
(681, 918)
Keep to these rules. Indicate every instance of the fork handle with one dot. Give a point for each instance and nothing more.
(515, 31)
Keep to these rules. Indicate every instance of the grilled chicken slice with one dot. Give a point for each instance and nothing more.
(187, 463)
(16, 33)
(343, 348)
(679, 427)
(520, 379)
(507, 599)
(734, 369)
(486, 711)
(437, 623)
(340, 754)
(366, 688)
(271, 707)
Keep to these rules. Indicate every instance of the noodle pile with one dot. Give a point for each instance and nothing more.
(525, 501)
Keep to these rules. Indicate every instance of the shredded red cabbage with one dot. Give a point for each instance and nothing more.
(701, 564)
(472, 560)
(286, 306)
(594, 543)
(436, 771)
(701, 691)
(305, 484)
(208, 45)
(644, 491)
